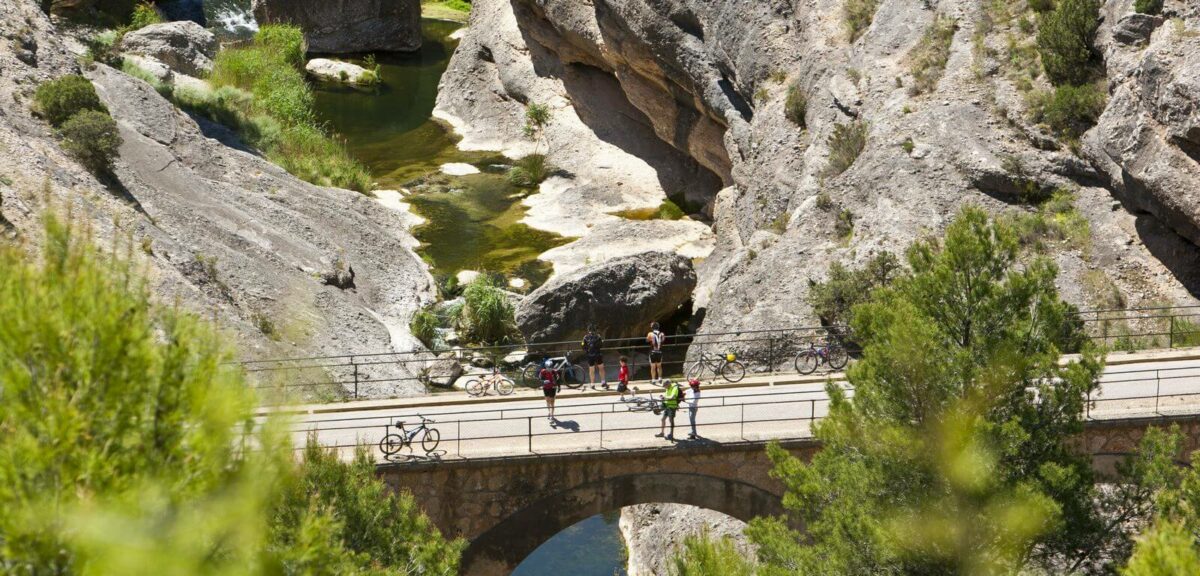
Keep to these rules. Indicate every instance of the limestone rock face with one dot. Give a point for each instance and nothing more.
(621, 297)
(343, 26)
(655, 532)
(184, 46)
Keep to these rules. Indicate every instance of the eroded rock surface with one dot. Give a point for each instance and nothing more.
(621, 297)
(343, 26)
(222, 231)
(655, 532)
(184, 46)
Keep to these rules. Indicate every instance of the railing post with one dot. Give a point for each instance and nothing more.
(529, 431)
(1087, 408)
(771, 354)
(458, 437)
(742, 421)
(601, 430)
(1170, 332)
(1157, 390)
(355, 377)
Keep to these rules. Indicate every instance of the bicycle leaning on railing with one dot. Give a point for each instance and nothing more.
(394, 442)
(496, 381)
(831, 353)
(569, 375)
(724, 365)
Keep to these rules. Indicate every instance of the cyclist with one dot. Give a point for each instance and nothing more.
(655, 339)
(693, 405)
(549, 387)
(623, 377)
(670, 406)
(593, 345)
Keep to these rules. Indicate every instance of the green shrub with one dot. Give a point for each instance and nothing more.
(1056, 220)
(1040, 6)
(670, 211)
(144, 14)
(529, 171)
(92, 138)
(424, 326)
(284, 41)
(487, 314)
(844, 226)
(928, 59)
(845, 144)
(795, 108)
(834, 299)
(61, 98)
(1068, 110)
(1148, 6)
(1065, 39)
(858, 15)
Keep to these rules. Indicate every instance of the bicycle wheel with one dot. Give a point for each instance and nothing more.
(837, 357)
(504, 386)
(806, 362)
(529, 375)
(573, 376)
(733, 371)
(696, 371)
(391, 444)
(476, 387)
(431, 439)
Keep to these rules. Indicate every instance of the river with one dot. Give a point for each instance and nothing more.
(472, 221)
(593, 547)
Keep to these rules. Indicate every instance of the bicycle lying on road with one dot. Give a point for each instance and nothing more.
(496, 381)
(724, 365)
(428, 437)
(831, 353)
(569, 375)
(647, 404)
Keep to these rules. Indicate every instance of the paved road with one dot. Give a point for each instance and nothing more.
(765, 407)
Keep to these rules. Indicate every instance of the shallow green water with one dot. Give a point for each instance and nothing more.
(472, 220)
(592, 547)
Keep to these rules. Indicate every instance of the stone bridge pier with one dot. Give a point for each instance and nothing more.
(507, 507)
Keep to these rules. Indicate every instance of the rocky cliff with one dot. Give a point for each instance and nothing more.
(342, 26)
(696, 92)
(290, 268)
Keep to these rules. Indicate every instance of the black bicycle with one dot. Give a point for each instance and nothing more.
(428, 437)
(831, 353)
(724, 365)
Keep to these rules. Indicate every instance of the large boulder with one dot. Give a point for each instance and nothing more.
(621, 297)
(184, 46)
(343, 26)
(328, 70)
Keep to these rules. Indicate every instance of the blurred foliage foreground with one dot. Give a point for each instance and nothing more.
(127, 446)
(958, 453)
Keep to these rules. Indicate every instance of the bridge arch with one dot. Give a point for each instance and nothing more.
(502, 547)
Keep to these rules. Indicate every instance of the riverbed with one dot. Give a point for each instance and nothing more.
(472, 220)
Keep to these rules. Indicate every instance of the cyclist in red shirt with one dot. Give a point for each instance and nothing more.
(549, 387)
(623, 377)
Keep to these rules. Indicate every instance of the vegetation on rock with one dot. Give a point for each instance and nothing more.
(858, 15)
(144, 14)
(1068, 110)
(274, 109)
(845, 144)
(1148, 6)
(795, 107)
(59, 99)
(92, 138)
(927, 62)
(701, 555)
(834, 299)
(1065, 38)
(125, 444)
(533, 169)
(488, 316)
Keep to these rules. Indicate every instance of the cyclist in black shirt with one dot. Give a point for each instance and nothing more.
(593, 345)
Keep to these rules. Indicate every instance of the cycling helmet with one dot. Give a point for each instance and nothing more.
(654, 325)
(548, 364)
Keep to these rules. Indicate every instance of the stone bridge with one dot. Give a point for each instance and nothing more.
(507, 507)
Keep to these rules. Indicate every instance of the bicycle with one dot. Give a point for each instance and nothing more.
(644, 404)
(568, 374)
(393, 443)
(725, 365)
(497, 381)
(831, 353)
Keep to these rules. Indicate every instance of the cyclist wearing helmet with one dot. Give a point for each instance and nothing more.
(655, 339)
(549, 387)
(593, 344)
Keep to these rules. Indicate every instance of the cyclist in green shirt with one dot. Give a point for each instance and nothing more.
(671, 399)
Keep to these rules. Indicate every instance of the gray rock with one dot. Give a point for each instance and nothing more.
(335, 71)
(654, 533)
(444, 371)
(621, 297)
(343, 26)
(185, 46)
(153, 67)
(1136, 28)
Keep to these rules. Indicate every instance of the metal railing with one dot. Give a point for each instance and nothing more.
(734, 417)
(768, 351)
